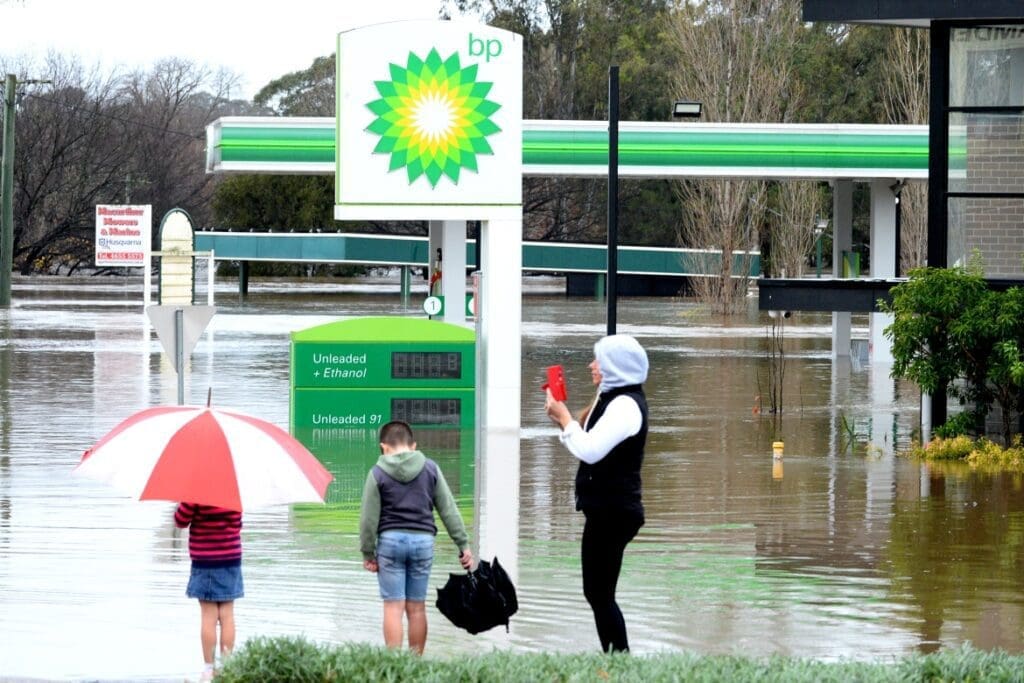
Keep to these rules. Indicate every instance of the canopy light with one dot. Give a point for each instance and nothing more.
(686, 109)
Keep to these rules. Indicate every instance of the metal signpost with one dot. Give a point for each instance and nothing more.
(178, 328)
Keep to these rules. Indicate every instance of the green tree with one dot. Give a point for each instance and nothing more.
(839, 72)
(568, 46)
(299, 203)
(953, 336)
(925, 309)
(992, 336)
(267, 202)
(309, 92)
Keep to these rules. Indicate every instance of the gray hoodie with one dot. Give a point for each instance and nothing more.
(622, 361)
(404, 467)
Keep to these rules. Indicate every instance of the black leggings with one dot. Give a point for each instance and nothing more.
(605, 536)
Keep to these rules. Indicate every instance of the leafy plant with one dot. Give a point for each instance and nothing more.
(939, 448)
(955, 337)
(848, 434)
(977, 453)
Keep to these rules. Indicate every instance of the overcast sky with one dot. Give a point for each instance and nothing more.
(259, 40)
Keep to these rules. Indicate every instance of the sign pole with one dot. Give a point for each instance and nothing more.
(179, 352)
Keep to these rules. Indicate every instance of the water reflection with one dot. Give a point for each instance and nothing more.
(6, 411)
(838, 550)
(951, 545)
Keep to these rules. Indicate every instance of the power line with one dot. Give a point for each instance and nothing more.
(114, 117)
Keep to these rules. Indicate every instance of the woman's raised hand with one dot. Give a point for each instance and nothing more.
(556, 410)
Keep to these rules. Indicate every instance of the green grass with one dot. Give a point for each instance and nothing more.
(300, 660)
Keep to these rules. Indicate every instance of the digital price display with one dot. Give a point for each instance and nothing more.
(426, 365)
(427, 411)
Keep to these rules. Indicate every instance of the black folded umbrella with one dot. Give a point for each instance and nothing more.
(480, 599)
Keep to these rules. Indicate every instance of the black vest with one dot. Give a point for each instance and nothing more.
(407, 505)
(613, 482)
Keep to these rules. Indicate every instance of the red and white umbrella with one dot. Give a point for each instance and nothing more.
(207, 456)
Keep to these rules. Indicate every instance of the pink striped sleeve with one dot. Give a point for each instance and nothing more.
(184, 514)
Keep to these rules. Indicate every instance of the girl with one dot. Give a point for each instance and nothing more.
(215, 546)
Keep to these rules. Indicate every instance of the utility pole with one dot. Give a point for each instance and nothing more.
(6, 194)
(7, 187)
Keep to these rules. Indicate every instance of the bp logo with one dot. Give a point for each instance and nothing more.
(433, 117)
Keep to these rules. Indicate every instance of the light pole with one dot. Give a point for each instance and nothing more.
(681, 109)
(613, 195)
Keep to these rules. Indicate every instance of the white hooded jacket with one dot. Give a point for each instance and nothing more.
(623, 362)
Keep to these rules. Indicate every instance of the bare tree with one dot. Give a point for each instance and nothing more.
(733, 56)
(95, 137)
(905, 94)
(792, 227)
(72, 139)
(171, 104)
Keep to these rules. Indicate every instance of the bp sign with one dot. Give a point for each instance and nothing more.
(429, 117)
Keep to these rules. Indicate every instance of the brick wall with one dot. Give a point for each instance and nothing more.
(995, 227)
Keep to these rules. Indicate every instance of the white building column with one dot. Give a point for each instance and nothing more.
(842, 240)
(453, 269)
(883, 261)
(499, 376)
(499, 318)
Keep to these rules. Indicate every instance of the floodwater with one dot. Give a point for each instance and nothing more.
(841, 549)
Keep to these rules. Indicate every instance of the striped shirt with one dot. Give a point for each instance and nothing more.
(215, 537)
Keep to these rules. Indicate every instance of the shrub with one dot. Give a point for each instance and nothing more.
(953, 336)
(979, 454)
(989, 455)
(953, 448)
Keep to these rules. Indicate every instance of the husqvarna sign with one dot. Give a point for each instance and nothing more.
(429, 117)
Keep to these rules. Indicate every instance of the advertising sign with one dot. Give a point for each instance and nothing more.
(429, 117)
(123, 234)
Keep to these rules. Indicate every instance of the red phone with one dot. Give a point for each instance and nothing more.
(556, 383)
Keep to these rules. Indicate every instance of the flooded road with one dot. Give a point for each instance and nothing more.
(840, 550)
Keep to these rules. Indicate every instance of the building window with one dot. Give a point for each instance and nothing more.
(985, 167)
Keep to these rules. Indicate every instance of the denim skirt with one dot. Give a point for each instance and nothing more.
(215, 584)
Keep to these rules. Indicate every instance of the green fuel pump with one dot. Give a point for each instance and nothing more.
(350, 377)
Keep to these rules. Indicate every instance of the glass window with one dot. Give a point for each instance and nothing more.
(986, 152)
(986, 66)
(990, 229)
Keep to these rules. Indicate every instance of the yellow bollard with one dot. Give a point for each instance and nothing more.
(777, 449)
(777, 468)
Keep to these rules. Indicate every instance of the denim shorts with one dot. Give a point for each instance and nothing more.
(404, 560)
(215, 584)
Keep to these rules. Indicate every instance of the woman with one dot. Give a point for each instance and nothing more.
(609, 441)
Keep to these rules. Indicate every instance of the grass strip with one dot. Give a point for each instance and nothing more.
(300, 660)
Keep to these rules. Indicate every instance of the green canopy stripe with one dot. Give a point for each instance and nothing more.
(584, 146)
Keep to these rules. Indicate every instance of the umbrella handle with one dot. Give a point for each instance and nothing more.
(209, 395)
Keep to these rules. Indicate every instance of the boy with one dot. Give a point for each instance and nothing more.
(396, 531)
